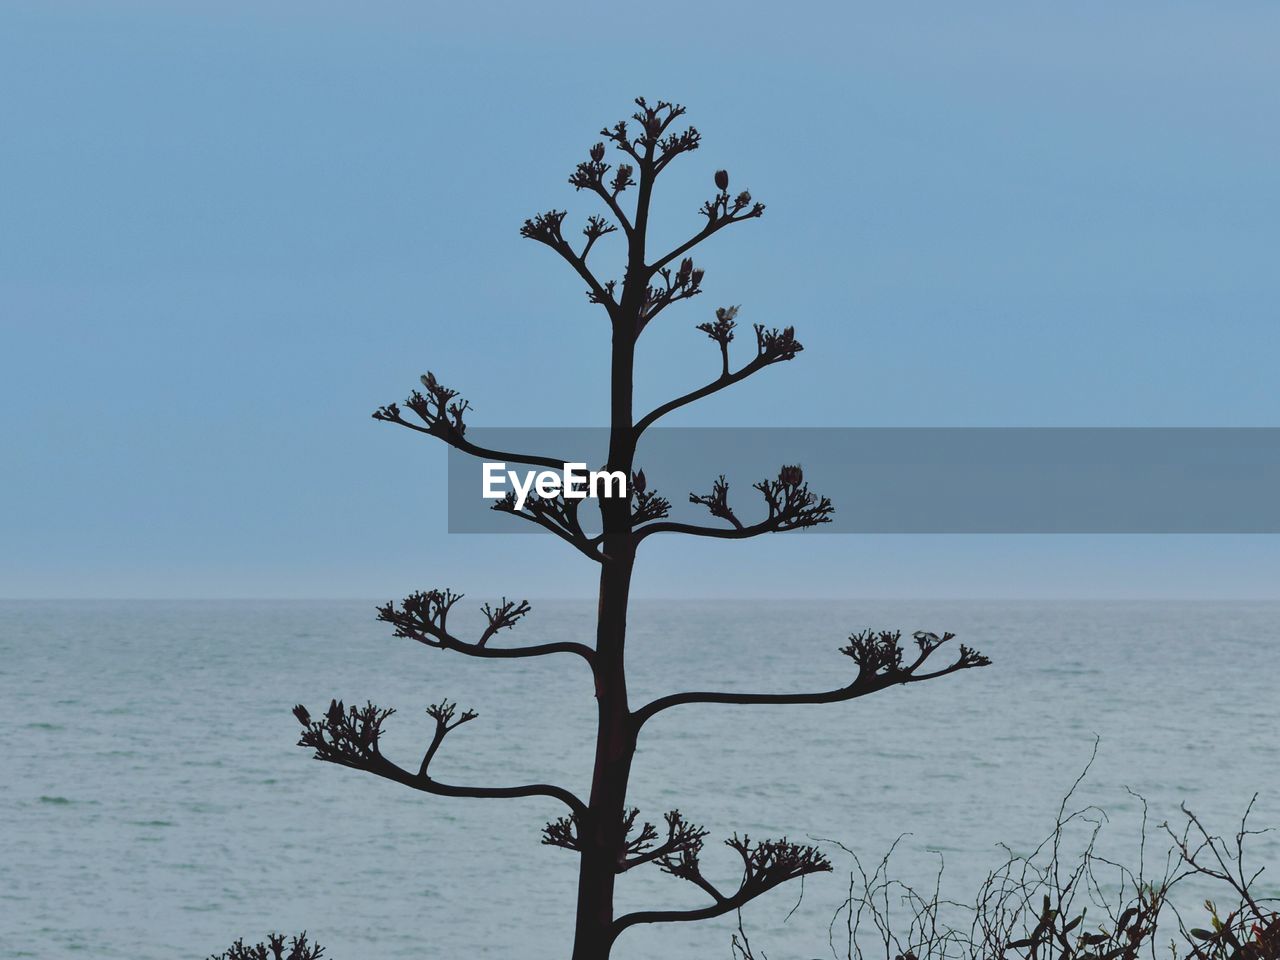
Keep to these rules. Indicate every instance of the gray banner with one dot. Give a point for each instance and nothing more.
(928, 480)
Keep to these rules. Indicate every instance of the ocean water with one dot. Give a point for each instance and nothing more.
(153, 804)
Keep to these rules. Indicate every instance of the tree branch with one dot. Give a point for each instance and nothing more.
(792, 506)
(679, 285)
(590, 175)
(879, 657)
(766, 864)
(772, 346)
(349, 737)
(298, 948)
(720, 211)
(442, 411)
(646, 504)
(650, 150)
(557, 515)
(654, 146)
(681, 836)
(715, 386)
(596, 228)
(633, 851)
(546, 229)
(423, 617)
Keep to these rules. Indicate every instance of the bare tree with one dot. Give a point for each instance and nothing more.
(609, 836)
(1064, 900)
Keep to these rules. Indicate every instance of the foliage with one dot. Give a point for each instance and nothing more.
(1051, 905)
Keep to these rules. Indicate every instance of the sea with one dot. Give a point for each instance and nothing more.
(154, 804)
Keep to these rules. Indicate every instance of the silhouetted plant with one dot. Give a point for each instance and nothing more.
(601, 829)
(273, 949)
(1052, 905)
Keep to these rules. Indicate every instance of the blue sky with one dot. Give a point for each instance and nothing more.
(231, 230)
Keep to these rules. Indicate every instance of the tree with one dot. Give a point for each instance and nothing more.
(608, 836)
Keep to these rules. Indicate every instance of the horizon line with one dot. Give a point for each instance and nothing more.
(668, 599)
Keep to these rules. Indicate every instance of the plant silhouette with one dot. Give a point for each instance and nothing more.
(608, 836)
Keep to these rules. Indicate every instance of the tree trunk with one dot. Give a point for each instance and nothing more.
(600, 834)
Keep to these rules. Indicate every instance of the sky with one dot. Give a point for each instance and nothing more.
(231, 230)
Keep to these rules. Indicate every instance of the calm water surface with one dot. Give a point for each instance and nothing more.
(153, 804)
